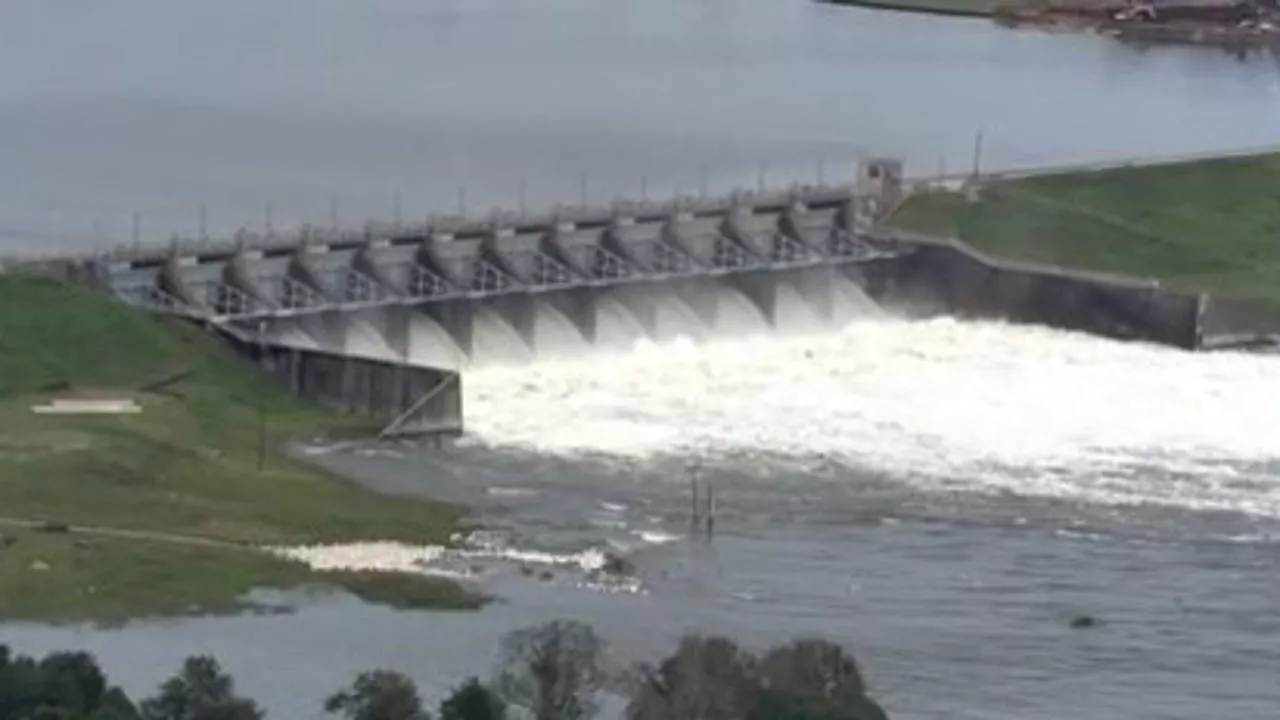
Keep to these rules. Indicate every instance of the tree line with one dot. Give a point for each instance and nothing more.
(555, 671)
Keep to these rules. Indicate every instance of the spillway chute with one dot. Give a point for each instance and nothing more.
(736, 316)
(430, 345)
(494, 342)
(555, 335)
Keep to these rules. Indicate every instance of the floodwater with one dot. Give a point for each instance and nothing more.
(943, 497)
(330, 108)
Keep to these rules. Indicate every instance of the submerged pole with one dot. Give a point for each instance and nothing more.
(695, 520)
(711, 511)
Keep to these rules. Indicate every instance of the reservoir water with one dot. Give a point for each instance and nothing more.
(317, 106)
(941, 496)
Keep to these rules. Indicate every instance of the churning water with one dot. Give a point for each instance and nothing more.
(979, 407)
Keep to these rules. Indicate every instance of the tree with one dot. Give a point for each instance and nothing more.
(378, 695)
(62, 686)
(73, 681)
(707, 678)
(473, 700)
(200, 691)
(554, 670)
(710, 678)
(815, 679)
(115, 705)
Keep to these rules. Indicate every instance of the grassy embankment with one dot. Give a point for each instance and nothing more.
(187, 465)
(1211, 225)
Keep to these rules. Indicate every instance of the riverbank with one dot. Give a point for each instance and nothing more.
(1085, 16)
(1204, 225)
(168, 506)
(952, 8)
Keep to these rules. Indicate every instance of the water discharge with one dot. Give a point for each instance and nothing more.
(431, 345)
(940, 404)
(674, 320)
(617, 329)
(554, 335)
(793, 315)
(495, 342)
(736, 315)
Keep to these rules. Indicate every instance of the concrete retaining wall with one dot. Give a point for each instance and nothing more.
(426, 401)
(949, 277)
(1233, 316)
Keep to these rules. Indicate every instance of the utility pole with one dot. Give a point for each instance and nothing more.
(262, 405)
(977, 155)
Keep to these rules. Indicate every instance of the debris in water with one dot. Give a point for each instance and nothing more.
(1081, 622)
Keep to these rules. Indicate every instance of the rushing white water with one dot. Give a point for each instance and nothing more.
(975, 406)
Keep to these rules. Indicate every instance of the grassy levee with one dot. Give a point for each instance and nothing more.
(1208, 225)
(187, 465)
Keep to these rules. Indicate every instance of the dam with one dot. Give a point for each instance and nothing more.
(458, 293)
(455, 291)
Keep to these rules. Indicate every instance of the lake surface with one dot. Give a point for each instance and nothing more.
(312, 106)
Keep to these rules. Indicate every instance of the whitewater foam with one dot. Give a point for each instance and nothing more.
(985, 406)
(386, 556)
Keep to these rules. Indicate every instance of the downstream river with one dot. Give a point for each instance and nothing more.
(312, 106)
(944, 497)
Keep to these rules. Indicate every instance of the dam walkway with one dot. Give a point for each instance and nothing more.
(450, 260)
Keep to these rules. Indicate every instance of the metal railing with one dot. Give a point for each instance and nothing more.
(222, 302)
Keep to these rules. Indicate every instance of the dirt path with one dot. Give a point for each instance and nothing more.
(125, 534)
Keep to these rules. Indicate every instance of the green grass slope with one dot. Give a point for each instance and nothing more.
(1206, 225)
(187, 464)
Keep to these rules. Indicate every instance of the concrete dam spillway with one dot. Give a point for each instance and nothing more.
(458, 293)
(471, 295)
